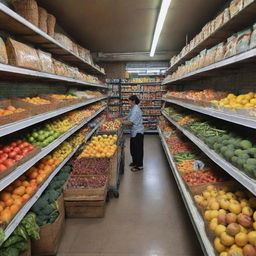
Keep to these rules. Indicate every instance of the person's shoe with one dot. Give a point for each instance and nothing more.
(136, 169)
(131, 164)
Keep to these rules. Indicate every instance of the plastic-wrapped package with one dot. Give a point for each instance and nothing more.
(231, 46)
(64, 40)
(46, 61)
(243, 40)
(28, 9)
(247, 2)
(22, 55)
(218, 21)
(51, 22)
(75, 48)
(220, 52)
(59, 68)
(253, 37)
(226, 15)
(3, 52)
(202, 58)
(235, 7)
(42, 23)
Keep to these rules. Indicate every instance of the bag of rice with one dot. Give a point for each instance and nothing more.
(235, 7)
(243, 40)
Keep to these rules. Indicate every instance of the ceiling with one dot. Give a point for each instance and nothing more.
(127, 26)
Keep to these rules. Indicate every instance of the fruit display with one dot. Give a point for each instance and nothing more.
(91, 166)
(36, 100)
(78, 182)
(60, 124)
(13, 152)
(110, 125)
(100, 146)
(230, 215)
(63, 97)
(76, 116)
(232, 101)
(10, 110)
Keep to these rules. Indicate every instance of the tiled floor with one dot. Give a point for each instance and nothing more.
(149, 218)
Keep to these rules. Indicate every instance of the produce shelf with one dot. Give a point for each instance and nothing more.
(245, 180)
(23, 211)
(195, 217)
(143, 91)
(15, 126)
(143, 83)
(12, 72)
(235, 118)
(14, 23)
(4, 182)
(243, 19)
(145, 131)
(231, 62)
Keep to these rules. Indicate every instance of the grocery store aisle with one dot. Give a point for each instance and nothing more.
(148, 219)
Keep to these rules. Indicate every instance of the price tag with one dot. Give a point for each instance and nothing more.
(198, 165)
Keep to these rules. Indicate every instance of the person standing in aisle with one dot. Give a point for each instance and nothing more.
(135, 122)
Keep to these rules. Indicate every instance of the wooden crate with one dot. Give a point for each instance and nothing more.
(85, 209)
(91, 194)
(113, 168)
(50, 234)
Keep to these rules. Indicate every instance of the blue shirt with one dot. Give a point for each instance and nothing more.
(135, 116)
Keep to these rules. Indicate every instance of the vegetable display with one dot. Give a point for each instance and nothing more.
(86, 182)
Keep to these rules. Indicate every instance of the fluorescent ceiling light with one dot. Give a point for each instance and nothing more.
(159, 25)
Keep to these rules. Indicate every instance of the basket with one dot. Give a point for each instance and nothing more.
(50, 234)
(51, 22)
(87, 194)
(22, 55)
(42, 22)
(3, 52)
(28, 9)
(13, 117)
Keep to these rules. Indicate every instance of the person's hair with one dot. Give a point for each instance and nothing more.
(135, 99)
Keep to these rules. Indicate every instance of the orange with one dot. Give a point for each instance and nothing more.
(6, 215)
(25, 197)
(1, 209)
(17, 183)
(14, 209)
(33, 175)
(2, 204)
(5, 196)
(18, 201)
(25, 184)
(9, 202)
(30, 190)
(20, 190)
(39, 179)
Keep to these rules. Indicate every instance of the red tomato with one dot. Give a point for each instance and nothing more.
(30, 147)
(6, 149)
(3, 157)
(19, 142)
(25, 144)
(12, 154)
(2, 167)
(18, 157)
(21, 146)
(1, 152)
(13, 144)
(8, 163)
(25, 151)
(17, 149)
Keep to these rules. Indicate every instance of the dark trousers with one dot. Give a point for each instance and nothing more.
(136, 149)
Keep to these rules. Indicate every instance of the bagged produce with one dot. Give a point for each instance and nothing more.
(51, 22)
(3, 52)
(235, 7)
(64, 40)
(220, 52)
(231, 46)
(42, 23)
(226, 15)
(243, 40)
(28, 9)
(253, 37)
(22, 55)
(45, 62)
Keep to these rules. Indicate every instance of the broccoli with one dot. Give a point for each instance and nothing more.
(53, 216)
(21, 246)
(10, 251)
(48, 210)
(41, 220)
(52, 195)
(40, 204)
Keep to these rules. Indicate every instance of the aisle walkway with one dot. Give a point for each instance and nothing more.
(149, 218)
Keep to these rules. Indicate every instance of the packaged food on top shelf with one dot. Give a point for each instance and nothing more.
(42, 22)
(253, 37)
(75, 49)
(247, 2)
(51, 22)
(226, 15)
(45, 62)
(219, 21)
(22, 55)
(28, 9)
(3, 52)
(235, 7)
(243, 40)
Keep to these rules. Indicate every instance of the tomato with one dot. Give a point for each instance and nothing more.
(30, 147)
(13, 144)
(21, 146)
(25, 151)
(18, 157)
(3, 157)
(6, 149)
(19, 142)
(17, 149)
(2, 168)
(25, 144)
(12, 154)
(8, 163)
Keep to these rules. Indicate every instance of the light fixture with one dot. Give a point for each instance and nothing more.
(159, 25)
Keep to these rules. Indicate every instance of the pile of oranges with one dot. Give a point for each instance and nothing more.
(13, 197)
(37, 101)
(10, 110)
